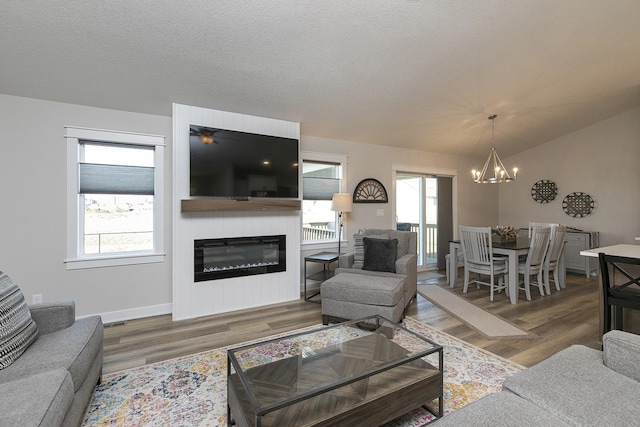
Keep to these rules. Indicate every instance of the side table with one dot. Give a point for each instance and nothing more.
(324, 258)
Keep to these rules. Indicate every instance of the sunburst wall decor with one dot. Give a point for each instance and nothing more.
(370, 190)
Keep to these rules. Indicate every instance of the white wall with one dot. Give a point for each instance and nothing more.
(33, 211)
(191, 299)
(602, 160)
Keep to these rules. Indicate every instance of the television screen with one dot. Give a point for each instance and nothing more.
(231, 164)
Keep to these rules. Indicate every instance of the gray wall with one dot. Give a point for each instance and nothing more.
(33, 208)
(602, 160)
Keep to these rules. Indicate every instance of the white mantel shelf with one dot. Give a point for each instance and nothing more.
(208, 205)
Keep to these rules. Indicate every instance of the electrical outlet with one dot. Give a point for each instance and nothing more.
(37, 298)
(380, 212)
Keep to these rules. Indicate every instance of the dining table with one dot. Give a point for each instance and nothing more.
(513, 250)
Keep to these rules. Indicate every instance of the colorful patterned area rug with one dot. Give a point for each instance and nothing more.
(191, 390)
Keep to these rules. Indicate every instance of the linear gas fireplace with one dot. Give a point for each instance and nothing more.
(240, 256)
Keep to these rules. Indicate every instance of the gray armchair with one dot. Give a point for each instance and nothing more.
(405, 263)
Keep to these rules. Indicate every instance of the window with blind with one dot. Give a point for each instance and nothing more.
(320, 180)
(116, 194)
(116, 197)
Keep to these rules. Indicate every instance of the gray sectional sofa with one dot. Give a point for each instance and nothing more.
(578, 386)
(51, 383)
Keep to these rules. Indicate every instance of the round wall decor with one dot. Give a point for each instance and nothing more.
(578, 204)
(544, 191)
(370, 190)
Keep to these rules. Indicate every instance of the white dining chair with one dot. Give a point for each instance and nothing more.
(479, 259)
(541, 224)
(552, 257)
(534, 263)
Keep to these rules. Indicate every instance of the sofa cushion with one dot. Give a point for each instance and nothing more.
(499, 409)
(17, 330)
(358, 247)
(37, 400)
(363, 289)
(577, 387)
(72, 349)
(380, 254)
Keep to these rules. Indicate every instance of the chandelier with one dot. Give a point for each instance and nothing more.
(500, 173)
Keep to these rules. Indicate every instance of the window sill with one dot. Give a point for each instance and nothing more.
(113, 261)
(323, 245)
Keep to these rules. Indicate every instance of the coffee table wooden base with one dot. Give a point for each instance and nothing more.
(388, 395)
(363, 372)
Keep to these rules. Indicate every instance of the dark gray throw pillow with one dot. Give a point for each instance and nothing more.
(380, 254)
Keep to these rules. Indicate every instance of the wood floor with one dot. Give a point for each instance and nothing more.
(560, 320)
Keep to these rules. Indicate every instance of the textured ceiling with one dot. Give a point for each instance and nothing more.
(420, 74)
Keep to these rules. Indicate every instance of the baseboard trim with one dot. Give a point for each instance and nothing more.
(135, 313)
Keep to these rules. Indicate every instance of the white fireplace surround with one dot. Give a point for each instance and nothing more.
(191, 299)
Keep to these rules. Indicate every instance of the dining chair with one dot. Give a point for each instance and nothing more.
(552, 257)
(533, 225)
(479, 259)
(620, 288)
(534, 263)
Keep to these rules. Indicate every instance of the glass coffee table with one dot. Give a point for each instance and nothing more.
(361, 372)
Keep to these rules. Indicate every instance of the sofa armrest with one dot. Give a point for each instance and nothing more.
(622, 353)
(406, 263)
(54, 316)
(345, 260)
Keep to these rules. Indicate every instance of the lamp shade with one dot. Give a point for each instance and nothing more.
(341, 202)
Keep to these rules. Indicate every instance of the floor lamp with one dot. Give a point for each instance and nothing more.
(341, 203)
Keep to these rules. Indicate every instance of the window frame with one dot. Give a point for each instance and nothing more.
(342, 160)
(75, 137)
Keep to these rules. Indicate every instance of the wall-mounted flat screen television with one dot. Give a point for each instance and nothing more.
(231, 164)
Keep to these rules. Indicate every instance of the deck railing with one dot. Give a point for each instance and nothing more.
(125, 241)
(317, 232)
(323, 232)
(430, 237)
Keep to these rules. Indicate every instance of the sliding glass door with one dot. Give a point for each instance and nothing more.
(417, 210)
(424, 205)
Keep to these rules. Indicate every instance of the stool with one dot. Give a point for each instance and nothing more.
(350, 296)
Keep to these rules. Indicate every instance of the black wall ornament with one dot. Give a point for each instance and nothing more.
(370, 190)
(578, 204)
(544, 191)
